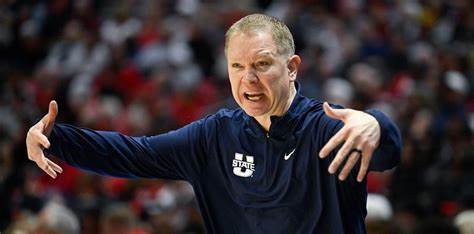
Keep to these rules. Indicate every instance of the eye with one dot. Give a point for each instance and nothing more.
(262, 63)
(236, 65)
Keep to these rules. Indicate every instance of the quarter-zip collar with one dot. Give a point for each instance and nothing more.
(280, 126)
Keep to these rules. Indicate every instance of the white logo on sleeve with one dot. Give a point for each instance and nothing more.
(243, 168)
(287, 156)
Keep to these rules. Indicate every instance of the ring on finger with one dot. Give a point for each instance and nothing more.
(356, 150)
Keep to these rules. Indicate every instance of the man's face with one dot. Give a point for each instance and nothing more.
(259, 76)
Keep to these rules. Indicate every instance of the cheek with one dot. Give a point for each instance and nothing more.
(271, 81)
(276, 84)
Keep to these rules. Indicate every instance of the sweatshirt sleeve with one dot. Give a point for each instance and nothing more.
(388, 153)
(178, 154)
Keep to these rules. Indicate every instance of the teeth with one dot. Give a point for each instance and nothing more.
(254, 98)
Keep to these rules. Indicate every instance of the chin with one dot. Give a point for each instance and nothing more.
(253, 112)
(254, 109)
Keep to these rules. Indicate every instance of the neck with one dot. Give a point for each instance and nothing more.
(265, 121)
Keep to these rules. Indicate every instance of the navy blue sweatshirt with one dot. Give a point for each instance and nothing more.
(245, 180)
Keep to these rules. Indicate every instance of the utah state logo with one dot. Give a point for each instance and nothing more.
(243, 168)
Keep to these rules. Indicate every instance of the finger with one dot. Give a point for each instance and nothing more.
(40, 160)
(364, 165)
(50, 171)
(341, 155)
(334, 113)
(335, 140)
(53, 111)
(350, 163)
(43, 164)
(54, 166)
(43, 140)
(50, 117)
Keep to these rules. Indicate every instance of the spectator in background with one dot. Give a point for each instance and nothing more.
(464, 221)
(117, 219)
(54, 218)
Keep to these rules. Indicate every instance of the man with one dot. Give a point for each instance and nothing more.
(254, 169)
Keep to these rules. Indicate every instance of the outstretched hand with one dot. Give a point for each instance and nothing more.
(37, 140)
(360, 135)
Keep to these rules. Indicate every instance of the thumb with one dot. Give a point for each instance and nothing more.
(334, 113)
(49, 118)
(53, 111)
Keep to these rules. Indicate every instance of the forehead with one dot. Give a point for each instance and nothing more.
(244, 45)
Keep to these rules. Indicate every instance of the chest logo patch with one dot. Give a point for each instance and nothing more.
(243, 168)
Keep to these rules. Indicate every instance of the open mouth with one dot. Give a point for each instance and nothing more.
(254, 97)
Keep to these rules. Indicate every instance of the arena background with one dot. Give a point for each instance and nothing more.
(146, 67)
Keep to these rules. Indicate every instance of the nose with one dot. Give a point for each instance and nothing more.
(250, 76)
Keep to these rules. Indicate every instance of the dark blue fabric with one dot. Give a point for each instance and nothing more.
(296, 195)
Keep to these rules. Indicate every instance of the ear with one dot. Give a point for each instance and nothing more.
(293, 65)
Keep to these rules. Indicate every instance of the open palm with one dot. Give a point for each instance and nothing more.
(37, 140)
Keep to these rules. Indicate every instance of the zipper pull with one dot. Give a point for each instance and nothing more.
(268, 135)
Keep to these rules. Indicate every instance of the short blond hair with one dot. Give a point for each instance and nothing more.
(252, 23)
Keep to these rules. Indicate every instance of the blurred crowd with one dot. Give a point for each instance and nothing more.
(146, 67)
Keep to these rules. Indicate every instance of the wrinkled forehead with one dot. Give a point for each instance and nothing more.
(245, 45)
